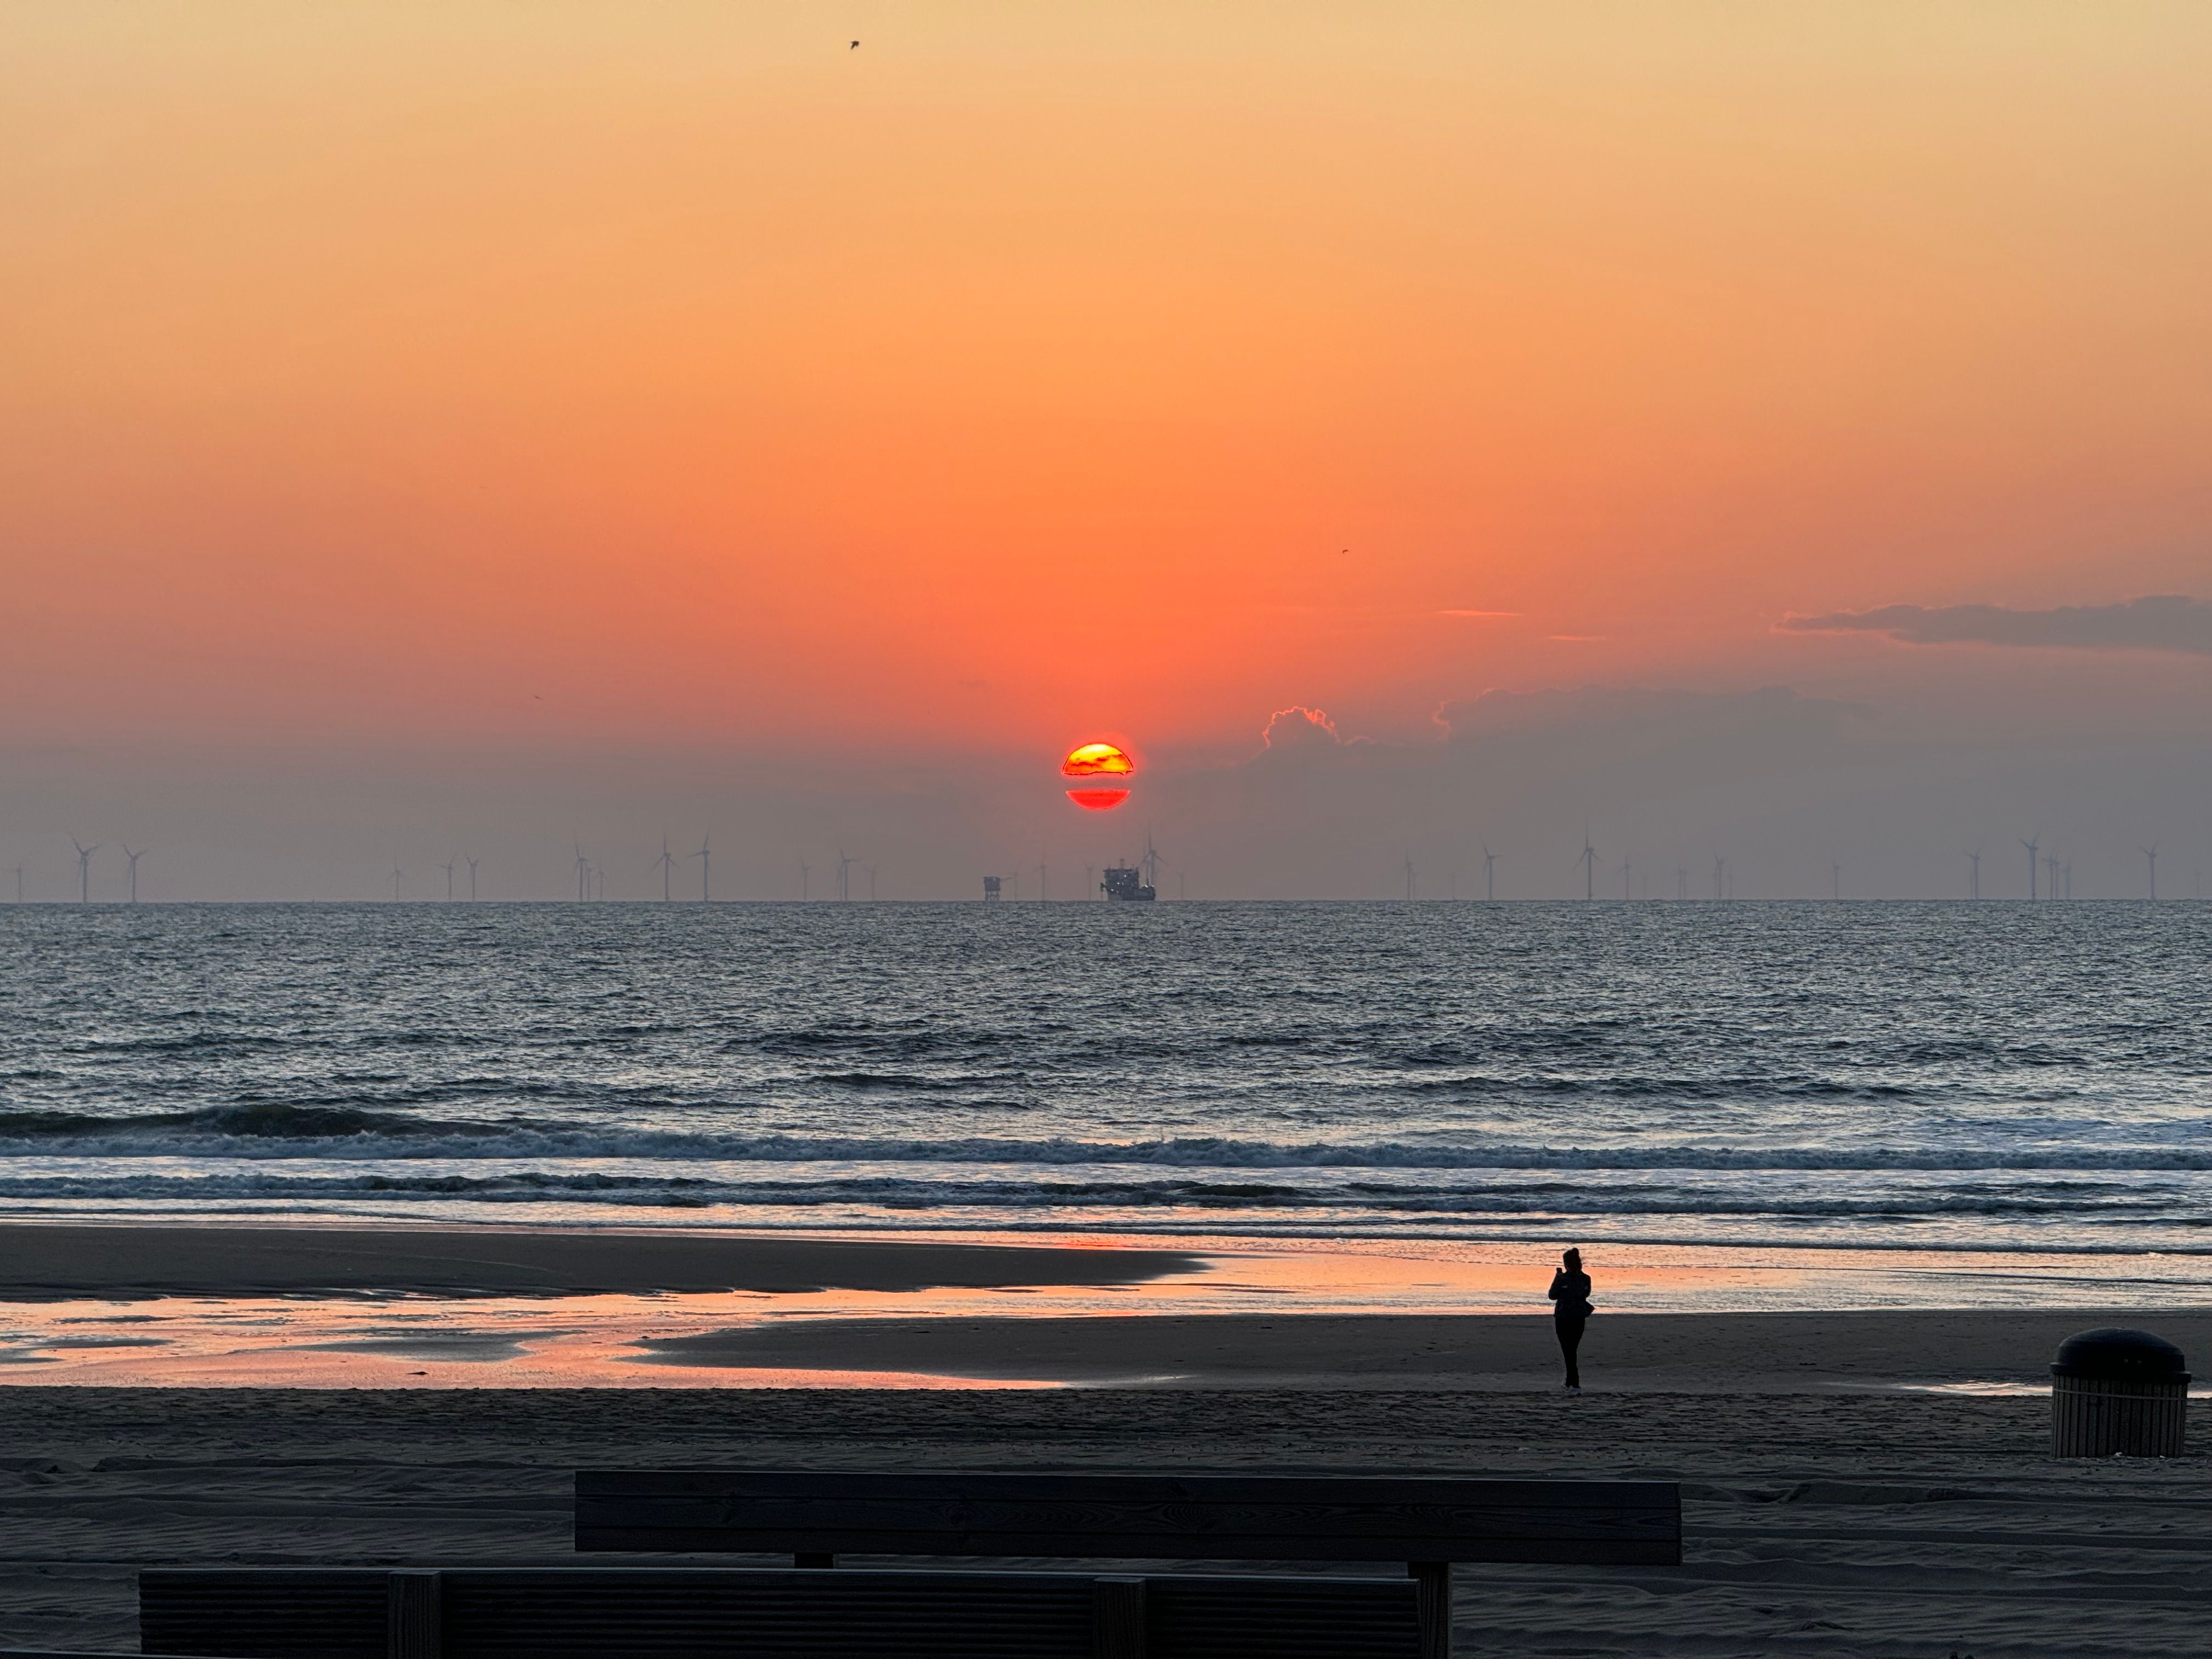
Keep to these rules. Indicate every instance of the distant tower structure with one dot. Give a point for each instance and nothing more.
(134, 858)
(1835, 879)
(1718, 870)
(1489, 871)
(2151, 853)
(1589, 861)
(1409, 878)
(2031, 845)
(84, 868)
(991, 894)
(1974, 874)
(1681, 881)
(471, 859)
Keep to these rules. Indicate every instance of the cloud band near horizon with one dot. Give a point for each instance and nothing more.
(2159, 621)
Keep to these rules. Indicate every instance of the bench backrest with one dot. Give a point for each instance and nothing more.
(1132, 1517)
(718, 1613)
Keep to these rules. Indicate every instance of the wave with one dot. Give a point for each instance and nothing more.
(950, 1199)
(269, 1131)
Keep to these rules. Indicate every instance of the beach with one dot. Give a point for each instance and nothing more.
(1856, 1481)
(1819, 1523)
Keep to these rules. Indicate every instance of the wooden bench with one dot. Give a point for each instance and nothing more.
(1428, 1522)
(751, 1613)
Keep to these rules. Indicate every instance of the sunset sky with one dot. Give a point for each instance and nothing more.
(631, 381)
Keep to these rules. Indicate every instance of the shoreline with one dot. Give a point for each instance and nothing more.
(411, 1308)
(135, 1261)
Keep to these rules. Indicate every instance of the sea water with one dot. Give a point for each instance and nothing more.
(2003, 1077)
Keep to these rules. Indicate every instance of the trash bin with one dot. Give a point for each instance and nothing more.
(2115, 1391)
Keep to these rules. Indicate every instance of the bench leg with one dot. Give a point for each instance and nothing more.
(1432, 1597)
(413, 1628)
(1117, 1618)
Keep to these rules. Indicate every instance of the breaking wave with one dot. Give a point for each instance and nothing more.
(270, 1132)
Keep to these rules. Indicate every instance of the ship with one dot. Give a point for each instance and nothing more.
(1126, 883)
(1138, 883)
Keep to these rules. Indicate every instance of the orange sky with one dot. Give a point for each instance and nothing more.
(447, 374)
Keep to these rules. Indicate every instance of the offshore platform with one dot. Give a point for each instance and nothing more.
(1135, 883)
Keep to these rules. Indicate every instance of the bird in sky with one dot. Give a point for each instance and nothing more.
(855, 47)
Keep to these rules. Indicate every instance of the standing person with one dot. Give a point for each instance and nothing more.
(1570, 1311)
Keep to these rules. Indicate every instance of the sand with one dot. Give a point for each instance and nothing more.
(59, 1262)
(1680, 1353)
(1831, 1506)
(1820, 1524)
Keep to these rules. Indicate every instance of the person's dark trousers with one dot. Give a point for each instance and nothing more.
(1570, 1339)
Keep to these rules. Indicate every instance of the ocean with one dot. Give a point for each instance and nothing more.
(1857, 1076)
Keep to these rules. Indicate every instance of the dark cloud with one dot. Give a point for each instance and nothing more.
(2161, 622)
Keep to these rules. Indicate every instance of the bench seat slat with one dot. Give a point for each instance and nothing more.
(1110, 1517)
(726, 1613)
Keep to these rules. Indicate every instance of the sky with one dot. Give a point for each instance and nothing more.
(528, 425)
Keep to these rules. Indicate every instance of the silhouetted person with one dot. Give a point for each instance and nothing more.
(1570, 1311)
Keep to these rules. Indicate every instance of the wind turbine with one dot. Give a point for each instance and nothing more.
(805, 871)
(1718, 869)
(1489, 871)
(1974, 864)
(1626, 866)
(1409, 876)
(871, 869)
(1044, 879)
(845, 875)
(1589, 862)
(2151, 853)
(2031, 845)
(666, 865)
(448, 868)
(583, 874)
(1835, 879)
(134, 858)
(705, 855)
(84, 868)
(1151, 861)
(396, 873)
(469, 858)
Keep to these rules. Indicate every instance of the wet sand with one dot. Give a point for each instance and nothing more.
(1680, 1353)
(1817, 1524)
(41, 1263)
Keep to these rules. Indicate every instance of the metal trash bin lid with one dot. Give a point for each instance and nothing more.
(2114, 1355)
